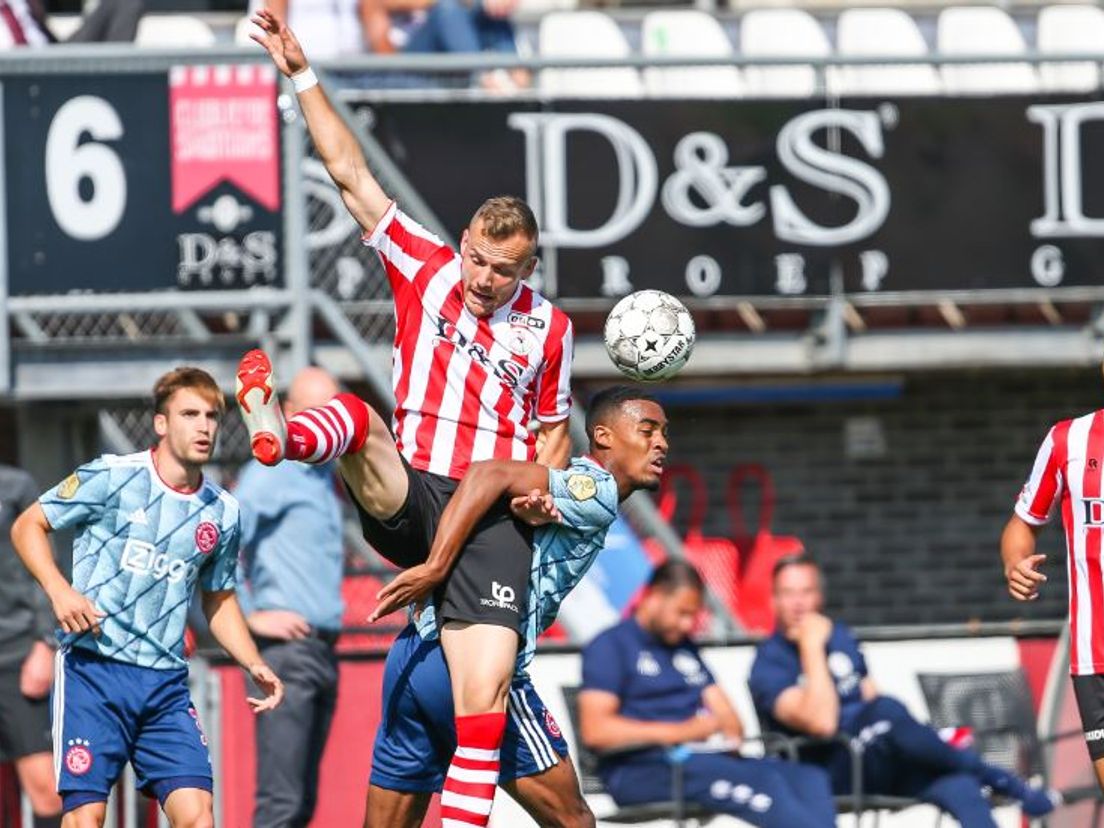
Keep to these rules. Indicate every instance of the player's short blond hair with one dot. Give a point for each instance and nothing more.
(194, 379)
(505, 216)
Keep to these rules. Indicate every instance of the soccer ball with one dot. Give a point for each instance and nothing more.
(649, 335)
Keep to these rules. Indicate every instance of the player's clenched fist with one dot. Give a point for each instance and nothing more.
(1024, 579)
(74, 612)
(270, 685)
(815, 630)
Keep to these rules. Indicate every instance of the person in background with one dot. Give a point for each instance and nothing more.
(292, 566)
(331, 28)
(23, 23)
(443, 26)
(27, 647)
(810, 679)
(644, 684)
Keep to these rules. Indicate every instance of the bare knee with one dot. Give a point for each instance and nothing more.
(36, 778)
(198, 820)
(478, 696)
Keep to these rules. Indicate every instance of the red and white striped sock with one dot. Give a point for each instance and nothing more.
(470, 783)
(319, 435)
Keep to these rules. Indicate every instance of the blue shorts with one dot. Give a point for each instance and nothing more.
(107, 713)
(417, 733)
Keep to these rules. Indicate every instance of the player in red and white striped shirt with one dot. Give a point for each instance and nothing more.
(478, 355)
(1068, 472)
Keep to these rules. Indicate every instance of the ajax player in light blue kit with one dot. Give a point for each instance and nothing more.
(416, 739)
(148, 528)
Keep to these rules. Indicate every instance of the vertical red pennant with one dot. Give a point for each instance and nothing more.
(222, 121)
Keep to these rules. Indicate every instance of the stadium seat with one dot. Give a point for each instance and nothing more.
(781, 33)
(63, 25)
(586, 34)
(533, 9)
(241, 31)
(983, 30)
(1067, 30)
(881, 33)
(173, 31)
(688, 33)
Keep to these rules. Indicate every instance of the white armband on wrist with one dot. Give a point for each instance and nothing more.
(302, 81)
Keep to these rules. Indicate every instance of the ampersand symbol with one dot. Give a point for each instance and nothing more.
(700, 160)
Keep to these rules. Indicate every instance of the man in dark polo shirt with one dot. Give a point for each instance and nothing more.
(27, 648)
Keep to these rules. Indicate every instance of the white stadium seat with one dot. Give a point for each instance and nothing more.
(1070, 29)
(881, 33)
(687, 33)
(173, 31)
(242, 30)
(983, 30)
(64, 25)
(781, 33)
(586, 34)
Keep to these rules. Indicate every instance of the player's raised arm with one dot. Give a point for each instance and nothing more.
(483, 485)
(30, 537)
(340, 151)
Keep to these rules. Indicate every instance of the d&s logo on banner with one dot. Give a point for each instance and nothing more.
(224, 137)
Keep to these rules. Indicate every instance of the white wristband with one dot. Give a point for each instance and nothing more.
(302, 81)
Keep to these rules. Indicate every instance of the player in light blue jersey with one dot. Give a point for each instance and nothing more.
(148, 529)
(415, 740)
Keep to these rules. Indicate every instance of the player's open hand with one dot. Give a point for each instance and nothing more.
(536, 508)
(412, 585)
(270, 685)
(75, 613)
(1024, 579)
(279, 41)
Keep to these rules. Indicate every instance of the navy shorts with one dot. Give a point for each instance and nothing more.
(107, 713)
(417, 733)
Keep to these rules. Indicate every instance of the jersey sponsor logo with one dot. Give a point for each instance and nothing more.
(582, 486)
(138, 517)
(502, 596)
(1094, 735)
(68, 486)
(206, 536)
(78, 758)
(524, 319)
(505, 371)
(1093, 511)
(689, 665)
(550, 724)
(142, 558)
(646, 664)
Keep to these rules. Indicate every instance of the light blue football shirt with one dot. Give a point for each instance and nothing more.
(140, 548)
(586, 496)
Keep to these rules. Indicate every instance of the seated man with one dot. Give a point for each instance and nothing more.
(644, 684)
(810, 678)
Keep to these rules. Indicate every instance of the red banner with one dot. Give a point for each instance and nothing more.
(223, 127)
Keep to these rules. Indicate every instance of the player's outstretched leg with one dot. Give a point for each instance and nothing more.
(314, 435)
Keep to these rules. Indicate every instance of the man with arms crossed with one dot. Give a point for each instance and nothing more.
(628, 447)
(1068, 471)
(477, 355)
(149, 528)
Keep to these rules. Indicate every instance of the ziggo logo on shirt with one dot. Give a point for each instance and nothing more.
(142, 558)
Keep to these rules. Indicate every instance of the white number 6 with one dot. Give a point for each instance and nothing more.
(68, 162)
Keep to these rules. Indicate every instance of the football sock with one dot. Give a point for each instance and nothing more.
(322, 434)
(470, 783)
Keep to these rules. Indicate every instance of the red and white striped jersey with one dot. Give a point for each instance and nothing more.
(465, 388)
(1068, 470)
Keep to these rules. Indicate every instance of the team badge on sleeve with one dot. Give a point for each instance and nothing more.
(69, 486)
(582, 486)
(206, 536)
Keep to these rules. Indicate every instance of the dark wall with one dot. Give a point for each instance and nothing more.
(911, 536)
